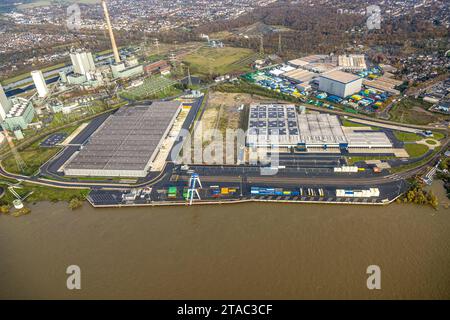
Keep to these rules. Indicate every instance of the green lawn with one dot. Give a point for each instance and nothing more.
(43, 193)
(438, 135)
(157, 87)
(352, 160)
(219, 60)
(407, 136)
(347, 123)
(415, 164)
(416, 150)
(413, 111)
(33, 156)
(431, 142)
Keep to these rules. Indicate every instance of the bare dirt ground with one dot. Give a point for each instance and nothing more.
(224, 112)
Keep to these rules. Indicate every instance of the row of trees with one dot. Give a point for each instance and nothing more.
(322, 29)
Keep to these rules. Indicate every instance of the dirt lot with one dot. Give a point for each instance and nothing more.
(221, 113)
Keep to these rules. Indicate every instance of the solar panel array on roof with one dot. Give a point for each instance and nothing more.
(270, 124)
(280, 125)
(127, 139)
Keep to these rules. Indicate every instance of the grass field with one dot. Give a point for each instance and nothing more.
(219, 60)
(407, 136)
(347, 123)
(431, 142)
(33, 156)
(416, 150)
(415, 164)
(352, 160)
(438, 136)
(154, 87)
(413, 111)
(42, 193)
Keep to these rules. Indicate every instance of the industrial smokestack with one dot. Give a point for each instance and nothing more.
(111, 34)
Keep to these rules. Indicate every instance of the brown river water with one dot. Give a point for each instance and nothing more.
(245, 251)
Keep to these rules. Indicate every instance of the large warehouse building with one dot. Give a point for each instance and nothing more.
(281, 126)
(127, 143)
(339, 83)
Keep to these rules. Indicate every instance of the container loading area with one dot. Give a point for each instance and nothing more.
(232, 192)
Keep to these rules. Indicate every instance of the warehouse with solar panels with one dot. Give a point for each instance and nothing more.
(127, 143)
(272, 125)
(281, 126)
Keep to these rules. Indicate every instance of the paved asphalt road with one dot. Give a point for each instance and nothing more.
(51, 167)
(211, 173)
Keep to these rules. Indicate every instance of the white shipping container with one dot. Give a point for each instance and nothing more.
(370, 193)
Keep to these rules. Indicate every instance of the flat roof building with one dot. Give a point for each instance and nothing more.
(301, 62)
(384, 84)
(282, 126)
(320, 129)
(299, 75)
(339, 83)
(127, 143)
(20, 115)
(272, 125)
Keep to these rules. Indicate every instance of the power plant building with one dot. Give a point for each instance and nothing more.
(83, 62)
(20, 115)
(339, 83)
(5, 104)
(39, 83)
(127, 143)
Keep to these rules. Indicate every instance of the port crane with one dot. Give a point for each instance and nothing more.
(194, 180)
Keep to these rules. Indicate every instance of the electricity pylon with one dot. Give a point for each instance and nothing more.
(279, 44)
(156, 42)
(21, 165)
(189, 77)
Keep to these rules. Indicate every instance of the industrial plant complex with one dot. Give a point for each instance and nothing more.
(128, 113)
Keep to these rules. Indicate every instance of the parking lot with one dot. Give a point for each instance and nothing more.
(53, 140)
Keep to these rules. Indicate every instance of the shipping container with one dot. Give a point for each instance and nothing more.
(172, 192)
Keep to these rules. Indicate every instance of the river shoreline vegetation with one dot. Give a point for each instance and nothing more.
(418, 195)
(444, 175)
(73, 197)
